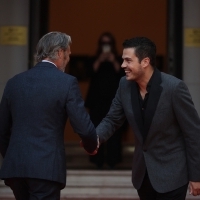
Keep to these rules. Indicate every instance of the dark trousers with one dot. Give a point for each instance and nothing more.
(146, 192)
(34, 189)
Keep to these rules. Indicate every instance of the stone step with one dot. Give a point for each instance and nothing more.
(98, 184)
(93, 185)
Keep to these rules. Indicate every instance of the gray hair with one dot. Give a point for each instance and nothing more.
(50, 43)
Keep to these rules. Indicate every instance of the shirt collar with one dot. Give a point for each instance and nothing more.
(49, 62)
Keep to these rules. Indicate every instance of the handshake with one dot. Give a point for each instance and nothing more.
(95, 151)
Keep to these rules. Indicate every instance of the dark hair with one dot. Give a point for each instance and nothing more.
(112, 43)
(50, 43)
(144, 47)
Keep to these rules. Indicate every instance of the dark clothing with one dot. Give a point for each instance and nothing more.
(34, 189)
(147, 192)
(143, 102)
(103, 86)
(172, 128)
(33, 113)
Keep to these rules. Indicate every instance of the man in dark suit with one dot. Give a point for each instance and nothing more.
(33, 113)
(165, 123)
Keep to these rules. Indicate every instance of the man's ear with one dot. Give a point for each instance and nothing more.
(60, 53)
(145, 62)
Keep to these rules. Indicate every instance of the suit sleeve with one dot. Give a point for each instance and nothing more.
(5, 124)
(189, 122)
(79, 118)
(113, 120)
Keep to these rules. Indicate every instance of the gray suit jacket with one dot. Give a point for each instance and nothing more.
(170, 153)
(33, 113)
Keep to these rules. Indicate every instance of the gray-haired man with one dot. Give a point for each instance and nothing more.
(33, 113)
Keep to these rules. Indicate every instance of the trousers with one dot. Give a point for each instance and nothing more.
(34, 189)
(147, 192)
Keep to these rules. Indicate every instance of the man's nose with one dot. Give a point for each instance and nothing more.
(123, 65)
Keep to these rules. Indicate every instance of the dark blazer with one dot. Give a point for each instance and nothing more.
(33, 113)
(170, 153)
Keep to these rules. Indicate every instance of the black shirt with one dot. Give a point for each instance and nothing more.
(143, 102)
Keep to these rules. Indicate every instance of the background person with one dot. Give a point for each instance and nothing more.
(33, 113)
(164, 121)
(105, 76)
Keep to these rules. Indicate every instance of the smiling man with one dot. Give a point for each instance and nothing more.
(164, 121)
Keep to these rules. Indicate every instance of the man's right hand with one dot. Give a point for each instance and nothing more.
(95, 151)
(194, 188)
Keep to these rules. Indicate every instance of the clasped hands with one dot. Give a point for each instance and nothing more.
(96, 150)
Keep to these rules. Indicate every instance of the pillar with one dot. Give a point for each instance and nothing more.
(191, 49)
(14, 21)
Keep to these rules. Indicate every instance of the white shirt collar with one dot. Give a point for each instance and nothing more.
(49, 62)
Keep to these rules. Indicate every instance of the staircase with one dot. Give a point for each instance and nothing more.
(91, 185)
(99, 185)
(84, 181)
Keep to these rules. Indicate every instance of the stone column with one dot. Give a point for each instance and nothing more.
(14, 22)
(191, 50)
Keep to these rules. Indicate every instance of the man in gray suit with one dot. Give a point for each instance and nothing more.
(33, 113)
(164, 121)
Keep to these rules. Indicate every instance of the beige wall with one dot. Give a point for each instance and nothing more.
(85, 20)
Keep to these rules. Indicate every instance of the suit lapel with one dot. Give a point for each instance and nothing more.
(154, 96)
(136, 110)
